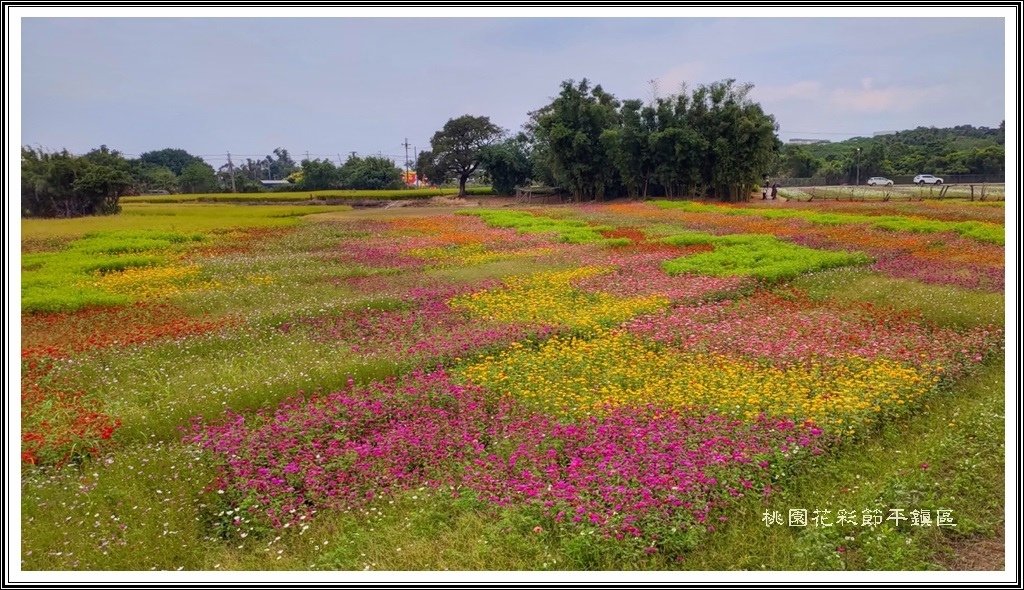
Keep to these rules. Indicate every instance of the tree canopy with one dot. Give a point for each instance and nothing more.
(713, 141)
(173, 159)
(507, 163)
(369, 173)
(60, 184)
(456, 149)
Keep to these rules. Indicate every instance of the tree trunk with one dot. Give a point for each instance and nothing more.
(462, 185)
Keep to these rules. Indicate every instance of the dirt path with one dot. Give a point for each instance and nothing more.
(977, 554)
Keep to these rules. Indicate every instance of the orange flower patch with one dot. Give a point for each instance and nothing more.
(641, 243)
(57, 335)
(59, 422)
(236, 241)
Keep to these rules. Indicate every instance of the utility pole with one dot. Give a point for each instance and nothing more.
(405, 179)
(231, 170)
(339, 160)
(858, 166)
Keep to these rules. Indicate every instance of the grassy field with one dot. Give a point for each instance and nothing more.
(637, 386)
(297, 196)
(980, 192)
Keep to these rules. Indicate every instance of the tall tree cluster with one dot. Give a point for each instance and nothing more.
(60, 184)
(713, 141)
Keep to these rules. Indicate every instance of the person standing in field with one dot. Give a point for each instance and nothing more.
(775, 190)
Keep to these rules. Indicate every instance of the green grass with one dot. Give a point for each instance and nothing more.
(942, 304)
(992, 233)
(62, 280)
(298, 196)
(175, 218)
(764, 257)
(571, 231)
(154, 389)
(960, 193)
(60, 275)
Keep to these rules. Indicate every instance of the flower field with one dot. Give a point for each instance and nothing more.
(618, 386)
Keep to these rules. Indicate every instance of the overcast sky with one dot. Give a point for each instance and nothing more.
(335, 85)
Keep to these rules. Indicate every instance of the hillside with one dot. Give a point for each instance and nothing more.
(963, 149)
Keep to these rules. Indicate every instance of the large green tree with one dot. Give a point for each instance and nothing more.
(319, 175)
(280, 164)
(175, 159)
(677, 149)
(742, 145)
(798, 162)
(713, 141)
(630, 148)
(569, 130)
(455, 150)
(507, 163)
(60, 184)
(369, 173)
(198, 177)
(153, 177)
(427, 168)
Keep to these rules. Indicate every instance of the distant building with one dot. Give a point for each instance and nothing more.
(799, 141)
(274, 183)
(889, 132)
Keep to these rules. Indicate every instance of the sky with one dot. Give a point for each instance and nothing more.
(331, 86)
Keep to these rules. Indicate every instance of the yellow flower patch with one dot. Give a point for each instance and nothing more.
(473, 254)
(153, 281)
(573, 376)
(548, 298)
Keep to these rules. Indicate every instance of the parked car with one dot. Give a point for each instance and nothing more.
(879, 181)
(927, 179)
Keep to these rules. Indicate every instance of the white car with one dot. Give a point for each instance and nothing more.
(879, 181)
(927, 179)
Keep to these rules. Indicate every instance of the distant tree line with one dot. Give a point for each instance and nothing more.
(964, 149)
(713, 141)
(61, 184)
(371, 172)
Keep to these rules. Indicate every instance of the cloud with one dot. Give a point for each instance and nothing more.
(672, 81)
(803, 90)
(868, 99)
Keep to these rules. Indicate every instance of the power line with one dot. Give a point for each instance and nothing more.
(824, 133)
